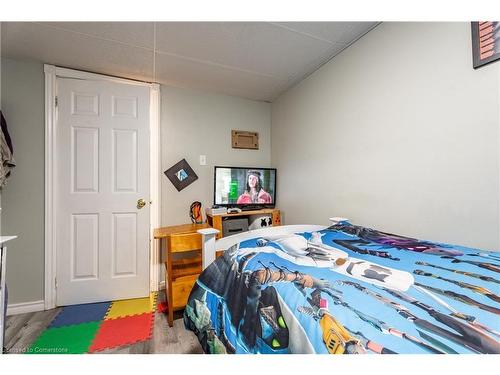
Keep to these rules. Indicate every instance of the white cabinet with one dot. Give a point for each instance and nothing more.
(3, 261)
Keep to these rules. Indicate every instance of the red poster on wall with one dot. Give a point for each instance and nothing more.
(485, 42)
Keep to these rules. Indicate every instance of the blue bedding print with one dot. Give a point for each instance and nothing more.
(346, 290)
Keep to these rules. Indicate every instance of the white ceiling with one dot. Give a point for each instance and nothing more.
(254, 60)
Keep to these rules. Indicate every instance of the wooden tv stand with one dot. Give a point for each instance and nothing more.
(216, 220)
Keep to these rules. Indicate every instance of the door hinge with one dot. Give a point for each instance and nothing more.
(57, 101)
(55, 282)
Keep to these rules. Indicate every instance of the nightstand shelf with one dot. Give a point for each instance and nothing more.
(216, 220)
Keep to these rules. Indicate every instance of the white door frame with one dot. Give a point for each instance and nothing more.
(52, 72)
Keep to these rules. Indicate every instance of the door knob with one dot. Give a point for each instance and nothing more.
(141, 203)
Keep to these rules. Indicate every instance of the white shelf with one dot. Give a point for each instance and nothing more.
(3, 250)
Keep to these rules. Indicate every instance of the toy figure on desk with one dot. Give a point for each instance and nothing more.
(195, 213)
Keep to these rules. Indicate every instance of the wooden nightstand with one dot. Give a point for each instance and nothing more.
(183, 260)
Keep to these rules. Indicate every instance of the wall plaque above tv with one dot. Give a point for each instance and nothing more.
(244, 139)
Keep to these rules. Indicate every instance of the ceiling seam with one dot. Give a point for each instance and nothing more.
(305, 34)
(207, 62)
(94, 36)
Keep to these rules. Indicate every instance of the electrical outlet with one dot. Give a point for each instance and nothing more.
(203, 159)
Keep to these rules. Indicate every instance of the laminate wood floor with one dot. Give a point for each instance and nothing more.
(23, 329)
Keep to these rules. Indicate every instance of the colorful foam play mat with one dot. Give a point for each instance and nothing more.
(94, 327)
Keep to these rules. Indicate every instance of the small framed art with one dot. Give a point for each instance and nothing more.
(181, 175)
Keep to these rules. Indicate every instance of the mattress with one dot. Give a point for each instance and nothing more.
(347, 290)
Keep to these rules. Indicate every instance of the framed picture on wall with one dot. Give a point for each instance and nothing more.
(485, 42)
(181, 175)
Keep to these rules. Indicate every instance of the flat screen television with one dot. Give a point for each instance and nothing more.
(245, 188)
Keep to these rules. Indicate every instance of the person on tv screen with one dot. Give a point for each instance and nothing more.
(254, 192)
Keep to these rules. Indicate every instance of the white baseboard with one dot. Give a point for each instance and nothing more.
(25, 307)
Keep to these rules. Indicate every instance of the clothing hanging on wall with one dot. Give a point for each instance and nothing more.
(7, 162)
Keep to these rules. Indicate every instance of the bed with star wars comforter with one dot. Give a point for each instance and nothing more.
(347, 289)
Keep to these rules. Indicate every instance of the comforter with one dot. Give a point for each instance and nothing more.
(347, 289)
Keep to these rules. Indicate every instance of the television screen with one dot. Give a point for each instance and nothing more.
(235, 186)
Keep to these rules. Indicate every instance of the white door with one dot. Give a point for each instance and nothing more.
(102, 153)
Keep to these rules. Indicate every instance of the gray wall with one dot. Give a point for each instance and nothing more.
(23, 196)
(195, 123)
(396, 132)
